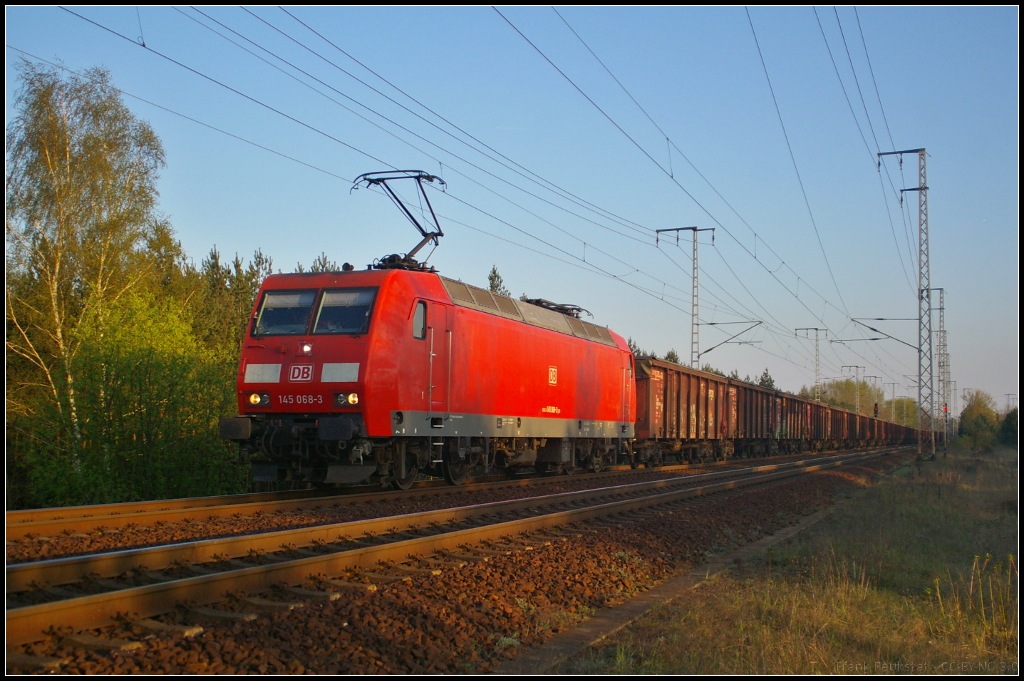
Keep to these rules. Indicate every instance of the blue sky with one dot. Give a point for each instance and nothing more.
(947, 80)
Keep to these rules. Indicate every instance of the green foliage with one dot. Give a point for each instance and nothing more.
(766, 380)
(320, 264)
(671, 356)
(978, 421)
(224, 296)
(149, 401)
(80, 220)
(638, 351)
(843, 394)
(120, 355)
(1008, 432)
(708, 369)
(496, 284)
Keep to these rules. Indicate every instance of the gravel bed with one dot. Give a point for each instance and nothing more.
(469, 617)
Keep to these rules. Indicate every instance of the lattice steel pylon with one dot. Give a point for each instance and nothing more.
(942, 354)
(925, 367)
(817, 359)
(695, 296)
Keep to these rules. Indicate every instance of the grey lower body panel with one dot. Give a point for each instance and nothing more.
(425, 424)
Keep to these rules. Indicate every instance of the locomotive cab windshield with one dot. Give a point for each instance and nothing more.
(341, 311)
(345, 311)
(284, 313)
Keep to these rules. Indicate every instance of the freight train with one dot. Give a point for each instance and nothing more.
(389, 373)
(384, 374)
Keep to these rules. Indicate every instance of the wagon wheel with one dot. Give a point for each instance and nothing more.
(455, 469)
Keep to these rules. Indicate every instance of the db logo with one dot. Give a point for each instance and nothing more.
(301, 372)
(552, 375)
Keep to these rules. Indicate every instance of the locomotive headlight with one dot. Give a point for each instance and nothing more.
(343, 400)
(254, 399)
(306, 349)
(257, 399)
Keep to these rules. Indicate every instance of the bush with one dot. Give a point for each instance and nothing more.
(147, 403)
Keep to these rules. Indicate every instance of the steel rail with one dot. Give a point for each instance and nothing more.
(50, 521)
(27, 624)
(59, 571)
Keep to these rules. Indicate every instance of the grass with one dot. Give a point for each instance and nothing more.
(917, 574)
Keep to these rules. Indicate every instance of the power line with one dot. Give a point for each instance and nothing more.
(228, 87)
(293, 118)
(856, 81)
(384, 163)
(872, 72)
(684, 190)
(793, 159)
(849, 105)
(462, 174)
(551, 185)
(189, 118)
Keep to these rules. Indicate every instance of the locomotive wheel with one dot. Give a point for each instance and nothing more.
(542, 467)
(455, 469)
(411, 471)
(406, 482)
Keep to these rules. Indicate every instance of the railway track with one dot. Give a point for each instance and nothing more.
(150, 582)
(50, 522)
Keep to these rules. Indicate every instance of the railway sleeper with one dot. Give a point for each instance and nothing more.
(90, 642)
(178, 630)
(273, 606)
(346, 585)
(222, 615)
(313, 595)
(31, 663)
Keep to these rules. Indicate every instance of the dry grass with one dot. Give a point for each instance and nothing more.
(914, 575)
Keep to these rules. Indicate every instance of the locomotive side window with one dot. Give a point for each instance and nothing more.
(284, 313)
(345, 311)
(419, 321)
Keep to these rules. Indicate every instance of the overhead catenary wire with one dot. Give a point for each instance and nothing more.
(462, 174)
(792, 157)
(871, 156)
(296, 120)
(390, 120)
(189, 118)
(681, 187)
(549, 185)
(414, 133)
(613, 275)
(228, 87)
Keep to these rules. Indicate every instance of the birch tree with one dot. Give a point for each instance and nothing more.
(80, 210)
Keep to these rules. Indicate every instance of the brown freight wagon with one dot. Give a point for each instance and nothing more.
(691, 415)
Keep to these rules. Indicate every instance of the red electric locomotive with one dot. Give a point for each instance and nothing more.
(385, 373)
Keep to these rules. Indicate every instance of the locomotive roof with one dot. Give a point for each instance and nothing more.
(485, 301)
(482, 300)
